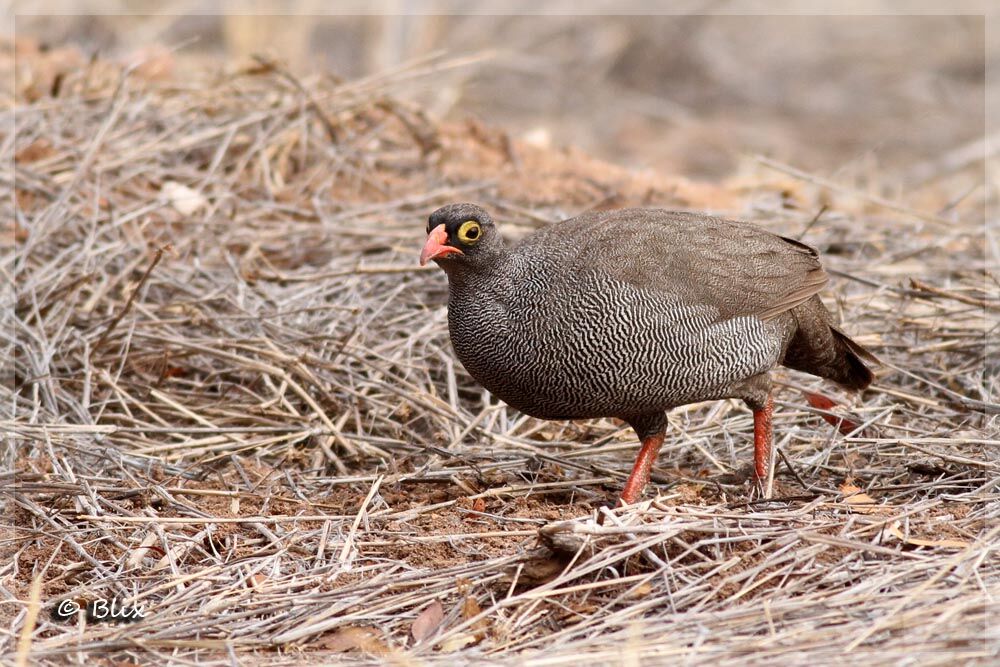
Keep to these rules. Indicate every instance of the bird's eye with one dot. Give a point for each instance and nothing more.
(469, 232)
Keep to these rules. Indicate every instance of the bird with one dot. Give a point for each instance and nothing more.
(629, 313)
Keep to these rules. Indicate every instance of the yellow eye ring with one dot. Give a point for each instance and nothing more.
(469, 232)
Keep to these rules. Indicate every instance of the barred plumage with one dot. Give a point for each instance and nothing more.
(630, 313)
(609, 349)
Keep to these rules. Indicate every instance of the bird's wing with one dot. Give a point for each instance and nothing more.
(735, 267)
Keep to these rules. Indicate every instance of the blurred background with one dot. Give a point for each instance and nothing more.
(885, 102)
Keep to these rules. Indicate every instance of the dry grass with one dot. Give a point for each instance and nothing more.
(235, 403)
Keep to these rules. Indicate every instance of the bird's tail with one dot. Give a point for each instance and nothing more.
(820, 348)
(850, 370)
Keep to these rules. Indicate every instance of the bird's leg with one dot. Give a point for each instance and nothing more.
(639, 478)
(763, 435)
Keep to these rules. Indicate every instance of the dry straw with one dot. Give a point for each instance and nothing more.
(234, 403)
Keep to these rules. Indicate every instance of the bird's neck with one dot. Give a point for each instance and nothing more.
(482, 278)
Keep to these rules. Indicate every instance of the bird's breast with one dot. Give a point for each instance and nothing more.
(587, 347)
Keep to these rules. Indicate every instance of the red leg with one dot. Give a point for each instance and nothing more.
(763, 434)
(639, 478)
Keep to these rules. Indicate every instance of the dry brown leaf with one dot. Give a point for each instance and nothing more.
(641, 591)
(427, 621)
(258, 580)
(154, 63)
(457, 642)
(355, 637)
(854, 494)
(858, 500)
(36, 150)
(895, 531)
(470, 608)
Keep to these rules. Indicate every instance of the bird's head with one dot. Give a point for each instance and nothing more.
(461, 235)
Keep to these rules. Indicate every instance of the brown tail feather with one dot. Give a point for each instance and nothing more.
(820, 348)
(851, 372)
